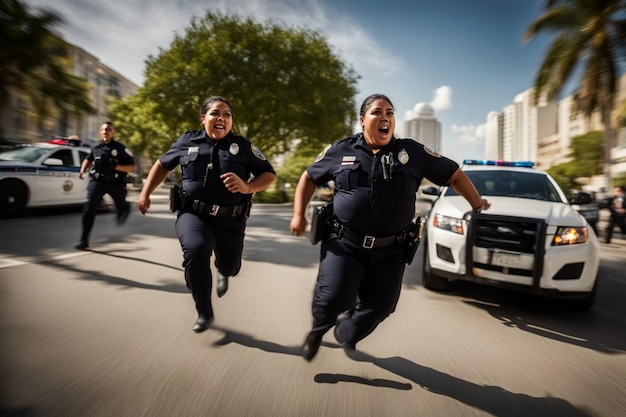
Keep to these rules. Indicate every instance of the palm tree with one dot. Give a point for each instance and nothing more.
(590, 37)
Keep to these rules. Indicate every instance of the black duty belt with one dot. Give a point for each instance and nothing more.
(206, 209)
(106, 178)
(366, 241)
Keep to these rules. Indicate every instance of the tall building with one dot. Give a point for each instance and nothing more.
(424, 127)
(21, 122)
(493, 136)
(543, 133)
(523, 125)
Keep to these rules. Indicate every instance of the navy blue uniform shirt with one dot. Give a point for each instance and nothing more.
(202, 161)
(364, 200)
(102, 154)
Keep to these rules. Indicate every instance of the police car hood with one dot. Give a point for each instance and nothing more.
(554, 213)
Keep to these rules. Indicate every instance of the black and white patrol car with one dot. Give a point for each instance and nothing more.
(41, 175)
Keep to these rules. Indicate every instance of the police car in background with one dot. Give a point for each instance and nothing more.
(530, 239)
(41, 175)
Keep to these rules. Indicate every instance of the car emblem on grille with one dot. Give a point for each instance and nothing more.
(503, 230)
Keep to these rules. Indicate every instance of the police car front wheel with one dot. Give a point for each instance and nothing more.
(13, 197)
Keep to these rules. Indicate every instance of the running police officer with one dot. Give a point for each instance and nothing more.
(363, 258)
(108, 164)
(220, 172)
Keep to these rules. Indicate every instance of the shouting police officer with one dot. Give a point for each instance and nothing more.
(109, 162)
(220, 172)
(362, 261)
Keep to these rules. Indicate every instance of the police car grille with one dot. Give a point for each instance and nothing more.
(508, 233)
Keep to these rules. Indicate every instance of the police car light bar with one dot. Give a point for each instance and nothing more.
(523, 164)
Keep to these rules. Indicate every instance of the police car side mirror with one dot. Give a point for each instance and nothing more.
(581, 198)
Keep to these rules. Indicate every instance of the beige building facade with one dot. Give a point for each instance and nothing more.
(20, 122)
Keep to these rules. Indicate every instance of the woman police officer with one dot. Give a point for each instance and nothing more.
(376, 178)
(213, 205)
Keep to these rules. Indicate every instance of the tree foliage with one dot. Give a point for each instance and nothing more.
(584, 160)
(590, 35)
(285, 85)
(34, 61)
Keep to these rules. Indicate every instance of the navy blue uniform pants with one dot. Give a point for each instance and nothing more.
(95, 191)
(619, 221)
(365, 283)
(199, 238)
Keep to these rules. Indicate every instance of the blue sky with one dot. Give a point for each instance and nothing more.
(464, 57)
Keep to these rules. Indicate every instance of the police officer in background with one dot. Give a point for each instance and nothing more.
(376, 178)
(220, 172)
(108, 163)
(617, 206)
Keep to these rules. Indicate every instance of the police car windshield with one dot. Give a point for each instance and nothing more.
(505, 183)
(26, 153)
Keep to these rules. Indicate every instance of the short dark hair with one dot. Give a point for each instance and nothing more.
(370, 99)
(211, 100)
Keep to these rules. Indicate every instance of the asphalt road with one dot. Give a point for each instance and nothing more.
(108, 333)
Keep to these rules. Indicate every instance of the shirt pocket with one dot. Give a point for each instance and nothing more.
(191, 167)
(349, 177)
(235, 163)
(404, 185)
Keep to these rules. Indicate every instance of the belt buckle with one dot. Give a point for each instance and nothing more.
(368, 242)
(214, 210)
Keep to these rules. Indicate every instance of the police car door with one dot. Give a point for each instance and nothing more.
(57, 180)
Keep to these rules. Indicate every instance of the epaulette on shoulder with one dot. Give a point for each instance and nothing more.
(352, 138)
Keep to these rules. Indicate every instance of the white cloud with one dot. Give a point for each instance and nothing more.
(122, 33)
(470, 133)
(442, 99)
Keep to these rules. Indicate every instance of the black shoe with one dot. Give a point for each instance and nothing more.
(202, 323)
(81, 246)
(222, 284)
(348, 347)
(311, 346)
(122, 215)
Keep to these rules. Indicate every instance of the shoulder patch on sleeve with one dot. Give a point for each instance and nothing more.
(430, 151)
(322, 154)
(257, 152)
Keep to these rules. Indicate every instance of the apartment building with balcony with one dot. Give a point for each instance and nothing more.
(543, 133)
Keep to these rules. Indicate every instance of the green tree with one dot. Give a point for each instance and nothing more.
(34, 61)
(584, 160)
(590, 35)
(285, 85)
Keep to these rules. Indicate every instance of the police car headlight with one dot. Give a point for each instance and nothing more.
(450, 224)
(566, 235)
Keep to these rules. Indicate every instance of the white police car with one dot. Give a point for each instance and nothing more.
(530, 239)
(41, 175)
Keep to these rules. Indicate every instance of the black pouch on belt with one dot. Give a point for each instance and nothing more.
(320, 223)
(175, 198)
(412, 240)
